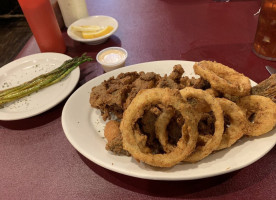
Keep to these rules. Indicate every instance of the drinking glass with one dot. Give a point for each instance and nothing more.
(265, 38)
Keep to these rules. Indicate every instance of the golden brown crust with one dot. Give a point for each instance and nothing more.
(114, 139)
(237, 127)
(223, 78)
(161, 129)
(264, 111)
(266, 88)
(167, 97)
(212, 144)
(111, 130)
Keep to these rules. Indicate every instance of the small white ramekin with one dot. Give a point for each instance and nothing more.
(111, 66)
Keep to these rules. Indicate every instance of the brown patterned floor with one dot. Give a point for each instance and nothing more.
(14, 33)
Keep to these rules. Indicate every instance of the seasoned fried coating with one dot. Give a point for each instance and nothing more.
(266, 88)
(197, 83)
(114, 95)
(146, 125)
(145, 81)
(202, 152)
(260, 112)
(112, 130)
(172, 81)
(110, 95)
(166, 82)
(236, 123)
(177, 73)
(206, 124)
(116, 146)
(166, 97)
(174, 128)
(114, 138)
(223, 78)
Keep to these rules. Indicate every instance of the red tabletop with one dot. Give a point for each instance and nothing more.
(38, 162)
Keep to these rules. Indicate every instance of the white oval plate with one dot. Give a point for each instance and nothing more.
(27, 68)
(97, 20)
(84, 128)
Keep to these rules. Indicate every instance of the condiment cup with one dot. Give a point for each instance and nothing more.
(98, 20)
(112, 58)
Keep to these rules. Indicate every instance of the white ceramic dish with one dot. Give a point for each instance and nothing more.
(27, 68)
(116, 61)
(83, 126)
(98, 20)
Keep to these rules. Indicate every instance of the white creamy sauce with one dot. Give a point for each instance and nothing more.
(112, 56)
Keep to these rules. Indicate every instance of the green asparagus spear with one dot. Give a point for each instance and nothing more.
(42, 81)
(28, 84)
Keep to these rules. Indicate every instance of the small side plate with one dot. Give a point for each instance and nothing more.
(27, 68)
(98, 20)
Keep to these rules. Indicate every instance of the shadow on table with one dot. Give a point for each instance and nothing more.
(75, 48)
(202, 188)
(92, 69)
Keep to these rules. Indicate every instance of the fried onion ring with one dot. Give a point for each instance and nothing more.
(263, 109)
(213, 92)
(168, 98)
(223, 78)
(141, 140)
(161, 129)
(212, 144)
(237, 126)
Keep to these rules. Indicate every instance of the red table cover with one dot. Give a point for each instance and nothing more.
(38, 162)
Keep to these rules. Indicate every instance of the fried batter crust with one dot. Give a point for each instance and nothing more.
(266, 88)
(110, 95)
(114, 138)
(114, 95)
(223, 78)
(264, 111)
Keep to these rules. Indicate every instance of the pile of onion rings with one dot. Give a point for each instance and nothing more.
(227, 109)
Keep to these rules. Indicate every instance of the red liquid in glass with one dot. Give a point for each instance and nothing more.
(43, 23)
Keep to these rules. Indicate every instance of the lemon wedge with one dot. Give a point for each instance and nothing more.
(96, 34)
(87, 28)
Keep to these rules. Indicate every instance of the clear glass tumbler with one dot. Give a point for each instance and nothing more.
(265, 38)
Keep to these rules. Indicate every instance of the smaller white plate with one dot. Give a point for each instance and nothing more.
(27, 68)
(98, 20)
